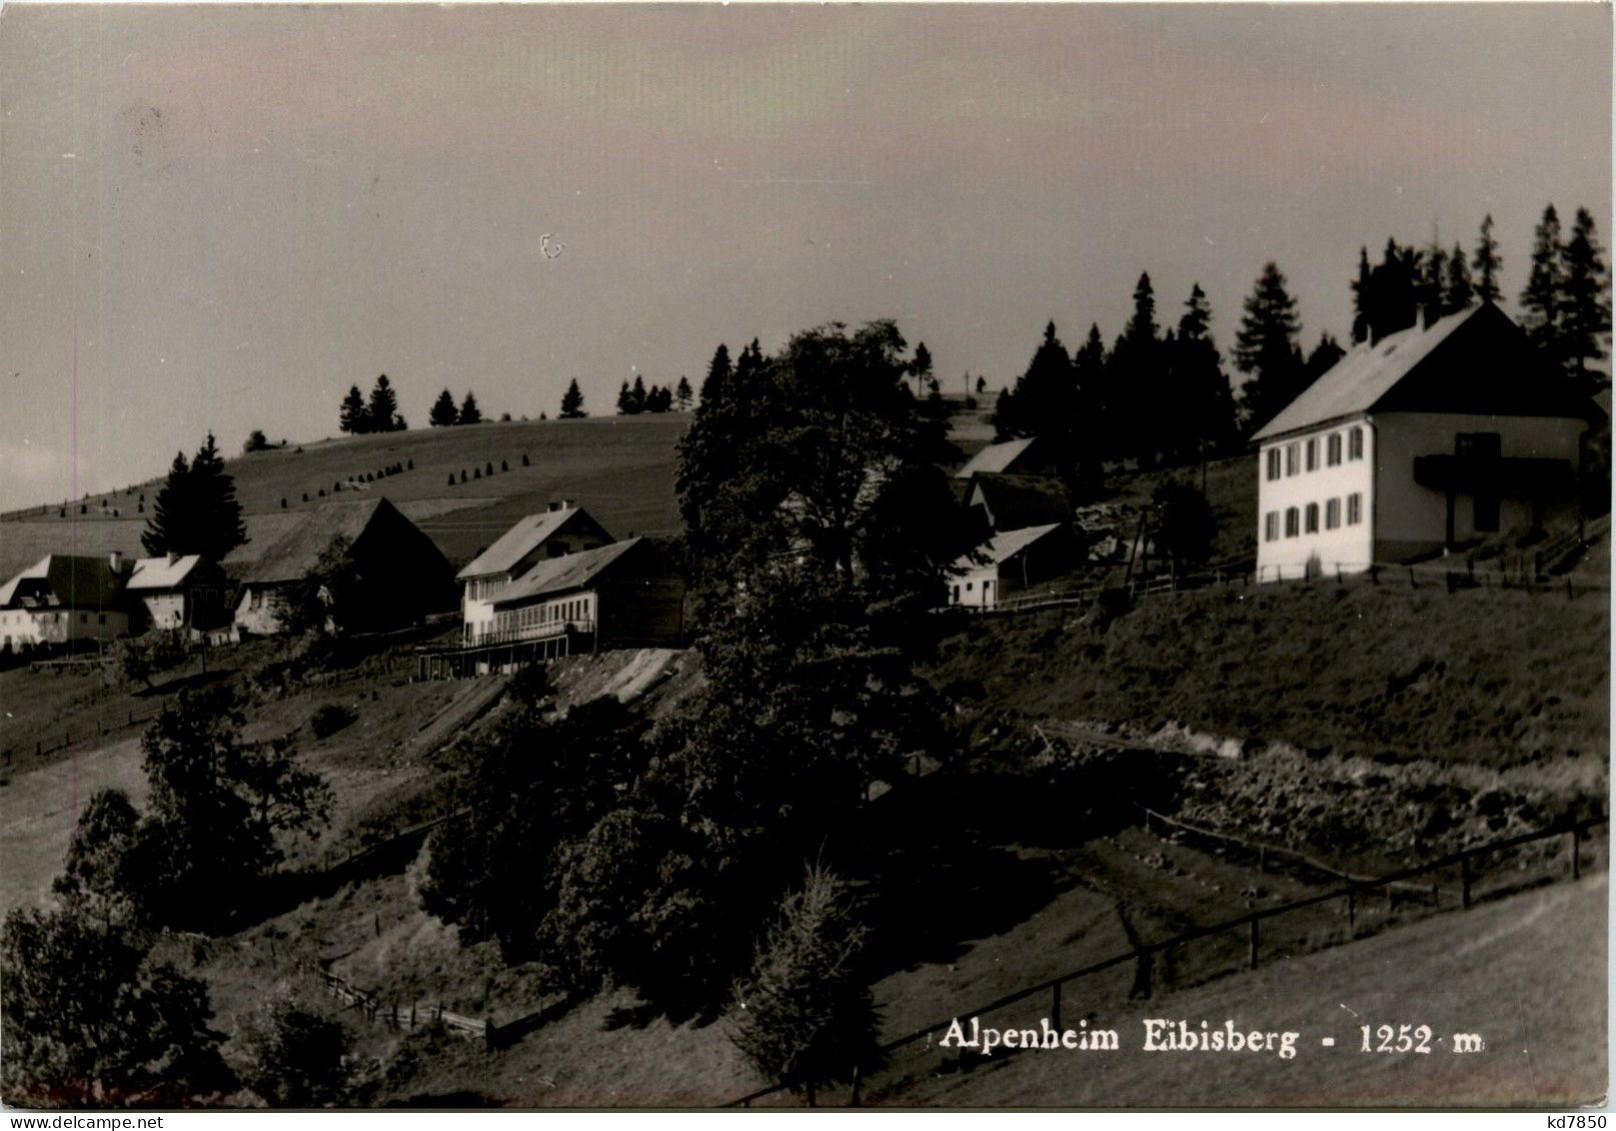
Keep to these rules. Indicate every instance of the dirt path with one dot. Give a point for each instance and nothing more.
(39, 809)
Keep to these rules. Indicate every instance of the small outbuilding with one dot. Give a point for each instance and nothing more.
(1012, 562)
(186, 592)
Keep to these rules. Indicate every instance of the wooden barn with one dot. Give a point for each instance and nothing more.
(401, 574)
(1002, 502)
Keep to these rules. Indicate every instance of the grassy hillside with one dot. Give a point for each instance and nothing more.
(621, 468)
(1495, 678)
(1519, 972)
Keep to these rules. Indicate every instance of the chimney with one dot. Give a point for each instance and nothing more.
(561, 504)
(172, 557)
(115, 561)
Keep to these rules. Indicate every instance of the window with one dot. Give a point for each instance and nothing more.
(1273, 464)
(1292, 452)
(1354, 509)
(1312, 518)
(84, 618)
(1355, 443)
(1332, 450)
(1293, 525)
(1332, 514)
(1313, 454)
(969, 586)
(1270, 526)
(956, 594)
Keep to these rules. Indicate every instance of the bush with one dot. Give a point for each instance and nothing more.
(331, 718)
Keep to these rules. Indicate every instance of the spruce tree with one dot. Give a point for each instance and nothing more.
(1461, 293)
(921, 367)
(469, 412)
(443, 413)
(637, 396)
(1198, 405)
(1540, 300)
(382, 411)
(625, 401)
(1487, 263)
(683, 394)
(1265, 348)
(354, 418)
(217, 512)
(171, 523)
(1584, 302)
(572, 402)
(1362, 297)
(1134, 416)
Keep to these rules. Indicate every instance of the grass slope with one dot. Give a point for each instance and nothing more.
(1494, 678)
(621, 468)
(1520, 972)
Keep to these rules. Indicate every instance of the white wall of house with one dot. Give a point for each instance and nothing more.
(1305, 511)
(1410, 519)
(544, 618)
(977, 588)
(259, 610)
(61, 625)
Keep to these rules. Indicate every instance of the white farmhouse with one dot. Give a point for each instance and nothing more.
(1421, 442)
(563, 529)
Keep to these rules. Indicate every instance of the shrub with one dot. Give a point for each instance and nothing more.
(331, 718)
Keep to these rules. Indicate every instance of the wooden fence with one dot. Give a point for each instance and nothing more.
(1350, 895)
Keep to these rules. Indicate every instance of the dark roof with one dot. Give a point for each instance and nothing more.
(1015, 501)
(555, 576)
(295, 555)
(67, 581)
(522, 539)
(1474, 361)
(1005, 546)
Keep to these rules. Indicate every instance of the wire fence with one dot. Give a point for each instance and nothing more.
(1354, 909)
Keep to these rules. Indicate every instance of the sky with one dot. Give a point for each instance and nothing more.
(222, 217)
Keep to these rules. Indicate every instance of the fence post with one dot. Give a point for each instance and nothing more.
(1262, 859)
(858, 1080)
(1254, 941)
(1576, 852)
(1352, 912)
(1055, 1007)
(1464, 882)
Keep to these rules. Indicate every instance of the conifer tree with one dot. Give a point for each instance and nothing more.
(443, 413)
(382, 412)
(1584, 305)
(1487, 263)
(1461, 293)
(683, 394)
(217, 516)
(1265, 347)
(353, 418)
(1198, 409)
(1540, 300)
(172, 512)
(1362, 297)
(469, 412)
(637, 395)
(1134, 406)
(572, 402)
(921, 367)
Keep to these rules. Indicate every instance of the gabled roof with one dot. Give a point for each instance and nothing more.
(295, 555)
(995, 457)
(1007, 544)
(522, 539)
(68, 581)
(554, 576)
(162, 573)
(1498, 372)
(1018, 501)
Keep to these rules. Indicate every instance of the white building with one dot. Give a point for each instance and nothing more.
(561, 530)
(65, 601)
(1424, 441)
(1010, 562)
